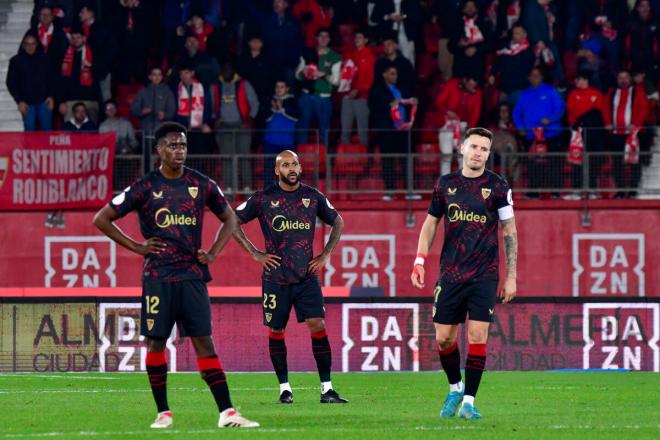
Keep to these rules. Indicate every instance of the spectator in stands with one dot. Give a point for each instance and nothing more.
(504, 141)
(253, 67)
(131, 25)
(282, 40)
(52, 39)
(126, 142)
(470, 42)
(79, 78)
(626, 108)
(508, 15)
(541, 106)
(206, 67)
(589, 60)
(63, 13)
(447, 14)
(318, 70)
(280, 127)
(30, 83)
(460, 103)
(385, 95)
(354, 104)
(512, 60)
(235, 105)
(174, 16)
(393, 57)
(400, 20)
(97, 37)
(642, 40)
(312, 17)
(193, 103)
(539, 18)
(79, 120)
(155, 103)
(605, 22)
(585, 108)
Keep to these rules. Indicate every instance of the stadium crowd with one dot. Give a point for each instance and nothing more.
(527, 69)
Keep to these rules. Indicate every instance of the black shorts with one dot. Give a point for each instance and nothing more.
(306, 297)
(453, 301)
(184, 302)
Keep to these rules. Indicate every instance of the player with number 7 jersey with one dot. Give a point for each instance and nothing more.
(473, 201)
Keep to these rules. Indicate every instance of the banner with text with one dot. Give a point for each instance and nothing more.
(364, 337)
(55, 170)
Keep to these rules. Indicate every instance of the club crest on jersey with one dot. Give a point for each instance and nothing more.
(451, 191)
(150, 324)
(274, 203)
(157, 195)
(269, 316)
(193, 191)
(485, 192)
(305, 203)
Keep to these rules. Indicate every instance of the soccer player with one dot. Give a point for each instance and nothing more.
(170, 202)
(287, 212)
(473, 200)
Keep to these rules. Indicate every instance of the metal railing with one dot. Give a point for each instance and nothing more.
(367, 173)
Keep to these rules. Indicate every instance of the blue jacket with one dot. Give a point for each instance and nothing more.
(281, 125)
(535, 104)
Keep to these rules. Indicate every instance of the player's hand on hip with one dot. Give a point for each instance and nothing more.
(268, 261)
(417, 276)
(153, 245)
(508, 290)
(317, 263)
(204, 257)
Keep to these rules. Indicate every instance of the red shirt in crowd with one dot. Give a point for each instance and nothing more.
(581, 101)
(456, 98)
(365, 62)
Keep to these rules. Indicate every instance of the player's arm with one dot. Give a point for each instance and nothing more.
(510, 235)
(104, 221)
(229, 224)
(268, 261)
(426, 238)
(318, 262)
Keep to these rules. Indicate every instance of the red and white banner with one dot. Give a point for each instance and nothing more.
(55, 170)
(613, 257)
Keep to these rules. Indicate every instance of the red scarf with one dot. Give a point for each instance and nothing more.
(512, 13)
(45, 35)
(539, 146)
(348, 72)
(576, 148)
(514, 48)
(472, 32)
(395, 114)
(85, 65)
(191, 107)
(622, 103)
(631, 154)
(203, 35)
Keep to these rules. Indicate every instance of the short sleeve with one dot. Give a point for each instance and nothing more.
(129, 199)
(247, 211)
(215, 198)
(438, 205)
(325, 211)
(504, 201)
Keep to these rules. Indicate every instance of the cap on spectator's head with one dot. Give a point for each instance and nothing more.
(584, 74)
(592, 45)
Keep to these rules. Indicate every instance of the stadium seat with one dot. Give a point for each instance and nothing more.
(310, 155)
(352, 160)
(371, 184)
(124, 96)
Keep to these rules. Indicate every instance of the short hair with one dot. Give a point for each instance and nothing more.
(78, 104)
(166, 128)
(110, 101)
(479, 131)
(321, 30)
(363, 31)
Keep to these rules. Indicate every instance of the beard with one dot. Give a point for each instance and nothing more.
(285, 179)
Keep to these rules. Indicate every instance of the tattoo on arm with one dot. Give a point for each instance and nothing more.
(337, 229)
(510, 245)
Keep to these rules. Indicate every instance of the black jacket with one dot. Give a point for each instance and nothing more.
(404, 68)
(412, 23)
(380, 97)
(29, 77)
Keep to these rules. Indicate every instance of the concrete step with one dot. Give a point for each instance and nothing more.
(10, 114)
(19, 17)
(8, 48)
(11, 126)
(22, 7)
(12, 37)
(15, 27)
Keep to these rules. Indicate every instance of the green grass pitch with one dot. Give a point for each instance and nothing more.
(530, 405)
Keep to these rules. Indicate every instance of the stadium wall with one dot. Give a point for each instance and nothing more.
(614, 256)
(102, 334)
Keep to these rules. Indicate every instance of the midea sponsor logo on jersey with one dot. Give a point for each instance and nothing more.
(281, 224)
(165, 219)
(455, 213)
